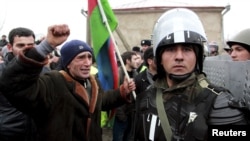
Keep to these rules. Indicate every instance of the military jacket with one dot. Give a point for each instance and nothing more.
(190, 106)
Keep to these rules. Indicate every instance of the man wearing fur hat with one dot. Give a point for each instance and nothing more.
(145, 44)
(65, 105)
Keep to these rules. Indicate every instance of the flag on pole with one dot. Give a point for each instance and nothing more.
(107, 66)
(102, 44)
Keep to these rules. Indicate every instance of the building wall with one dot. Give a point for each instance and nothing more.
(137, 24)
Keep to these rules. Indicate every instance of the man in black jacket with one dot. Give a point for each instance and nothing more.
(14, 124)
(144, 79)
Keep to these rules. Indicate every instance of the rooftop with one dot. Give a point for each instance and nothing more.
(141, 4)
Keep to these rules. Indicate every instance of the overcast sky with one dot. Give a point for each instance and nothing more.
(39, 14)
(237, 18)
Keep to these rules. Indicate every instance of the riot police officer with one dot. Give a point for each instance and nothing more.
(182, 103)
(240, 45)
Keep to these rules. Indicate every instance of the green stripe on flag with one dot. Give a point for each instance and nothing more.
(98, 30)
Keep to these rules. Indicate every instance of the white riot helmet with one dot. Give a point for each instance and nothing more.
(179, 25)
(241, 38)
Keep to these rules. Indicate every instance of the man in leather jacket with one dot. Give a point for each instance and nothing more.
(14, 124)
(182, 103)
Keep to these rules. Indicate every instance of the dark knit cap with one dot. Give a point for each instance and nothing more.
(72, 48)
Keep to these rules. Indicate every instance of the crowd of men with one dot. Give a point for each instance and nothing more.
(43, 98)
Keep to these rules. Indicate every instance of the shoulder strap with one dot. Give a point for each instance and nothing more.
(162, 115)
(205, 84)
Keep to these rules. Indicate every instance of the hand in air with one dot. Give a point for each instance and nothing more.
(57, 34)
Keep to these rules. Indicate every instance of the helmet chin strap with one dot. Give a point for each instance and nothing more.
(179, 78)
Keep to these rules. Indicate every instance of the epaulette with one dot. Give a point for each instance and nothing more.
(215, 89)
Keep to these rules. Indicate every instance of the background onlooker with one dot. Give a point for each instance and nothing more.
(136, 49)
(213, 48)
(3, 41)
(145, 44)
(123, 114)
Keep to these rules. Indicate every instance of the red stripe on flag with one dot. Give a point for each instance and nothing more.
(91, 5)
(114, 66)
